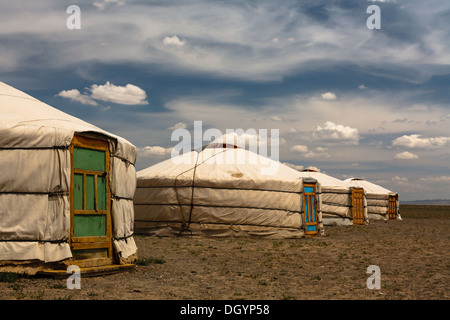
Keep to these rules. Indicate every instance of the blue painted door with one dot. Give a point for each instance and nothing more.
(310, 210)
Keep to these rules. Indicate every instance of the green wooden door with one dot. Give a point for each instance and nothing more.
(90, 213)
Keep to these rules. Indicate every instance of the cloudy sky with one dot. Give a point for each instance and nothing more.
(352, 101)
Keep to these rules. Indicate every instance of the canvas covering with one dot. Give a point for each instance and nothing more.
(220, 192)
(35, 180)
(336, 198)
(377, 198)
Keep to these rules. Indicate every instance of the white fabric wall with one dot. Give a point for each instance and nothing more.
(29, 210)
(123, 186)
(34, 204)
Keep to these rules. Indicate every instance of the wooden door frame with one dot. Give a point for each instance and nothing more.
(81, 243)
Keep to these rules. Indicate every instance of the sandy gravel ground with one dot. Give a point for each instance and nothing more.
(412, 254)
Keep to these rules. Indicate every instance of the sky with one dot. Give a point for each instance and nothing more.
(350, 100)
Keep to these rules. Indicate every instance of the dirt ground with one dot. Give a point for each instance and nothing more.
(412, 254)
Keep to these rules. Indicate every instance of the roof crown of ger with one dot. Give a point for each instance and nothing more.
(222, 145)
(311, 169)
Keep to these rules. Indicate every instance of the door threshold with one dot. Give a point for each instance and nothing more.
(89, 271)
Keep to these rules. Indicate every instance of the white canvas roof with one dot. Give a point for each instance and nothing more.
(326, 181)
(29, 123)
(370, 187)
(220, 191)
(35, 180)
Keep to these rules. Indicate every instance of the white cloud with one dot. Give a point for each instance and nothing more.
(336, 132)
(75, 95)
(249, 139)
(404, 120)
(179, 125)
(362, 86)
(276, 118)
(319, 152)
(400, 179)
(405, 156)
(103, 4)
(416, 141)
(299, 149)
(436, 179)
(328, 96)
(154, 151)
(173, 41)
(129, 94)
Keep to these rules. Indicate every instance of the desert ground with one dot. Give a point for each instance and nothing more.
(412, 256)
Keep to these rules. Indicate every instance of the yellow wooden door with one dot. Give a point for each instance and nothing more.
(358, 206)
(392, 210)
